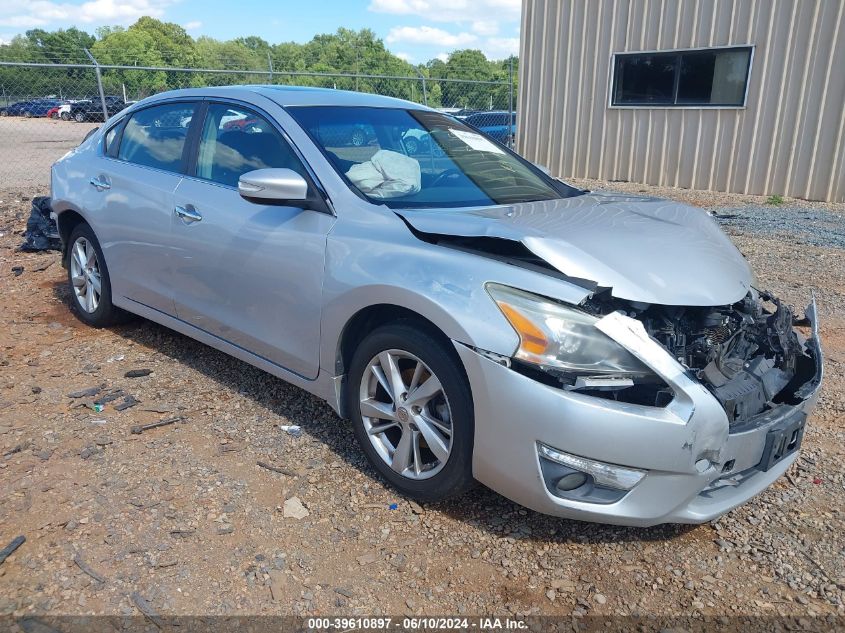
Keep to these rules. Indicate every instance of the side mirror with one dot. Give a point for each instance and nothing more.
(276, 185)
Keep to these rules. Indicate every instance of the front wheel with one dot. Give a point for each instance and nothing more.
(412, 413)
(89, 280)
(79, 117)
(65, 116)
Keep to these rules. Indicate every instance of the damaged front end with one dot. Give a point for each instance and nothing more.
(749, 355)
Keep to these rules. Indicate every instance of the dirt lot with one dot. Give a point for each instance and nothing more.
(29, 146)
(184, 516)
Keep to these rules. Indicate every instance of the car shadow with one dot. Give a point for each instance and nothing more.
(480, 507)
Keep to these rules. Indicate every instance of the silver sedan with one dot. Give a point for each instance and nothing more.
(589, 355)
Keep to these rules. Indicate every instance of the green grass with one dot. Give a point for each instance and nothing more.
(775, 199)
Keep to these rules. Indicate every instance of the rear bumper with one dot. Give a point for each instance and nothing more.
(514, 413)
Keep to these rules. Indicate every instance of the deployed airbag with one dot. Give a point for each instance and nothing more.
(386, 175)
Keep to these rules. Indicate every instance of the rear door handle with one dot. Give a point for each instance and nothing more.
(100, 183)
(188, 214)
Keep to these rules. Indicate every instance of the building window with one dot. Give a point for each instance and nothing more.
(692, 78)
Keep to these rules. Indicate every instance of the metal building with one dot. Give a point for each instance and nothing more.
(728, 95)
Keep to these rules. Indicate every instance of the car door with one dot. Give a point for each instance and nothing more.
(248, 272)
(130, 197)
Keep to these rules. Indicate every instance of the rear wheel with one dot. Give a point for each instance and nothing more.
(412, 413)
(79, 117)
(65, 116)
(28, 114)
(89, 280)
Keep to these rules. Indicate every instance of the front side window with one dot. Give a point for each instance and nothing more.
(702, 78)
(423, 159)
(110, 143)
(155, 136)
(236, 140)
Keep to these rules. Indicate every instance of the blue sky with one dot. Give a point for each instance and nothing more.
(415, 29)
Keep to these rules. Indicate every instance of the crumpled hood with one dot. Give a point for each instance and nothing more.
(644, 249)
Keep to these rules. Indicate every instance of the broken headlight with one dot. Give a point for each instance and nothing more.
(558, 337)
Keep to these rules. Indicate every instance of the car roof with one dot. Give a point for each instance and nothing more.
(294, 96)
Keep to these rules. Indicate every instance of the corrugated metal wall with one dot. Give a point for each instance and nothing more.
(789, 139)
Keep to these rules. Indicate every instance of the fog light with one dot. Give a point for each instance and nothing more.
(571, 481)
(609, 475)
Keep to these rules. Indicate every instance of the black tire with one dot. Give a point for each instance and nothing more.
(455, 477)
(79, 117)
(106, 313)
(65, 116)
(27, 114)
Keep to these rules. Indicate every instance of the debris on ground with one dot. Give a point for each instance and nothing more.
(294, 430)
(88, 569)
(294, 509)
(41, 232)
(17, 271)
(138, 373)
(85, 393)
(137, 429)
(128, 402)
(146, 608)
(110, 397)
(11, 547)
(276, 469)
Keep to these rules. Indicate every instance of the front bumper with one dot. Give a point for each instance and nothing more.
(513, 413)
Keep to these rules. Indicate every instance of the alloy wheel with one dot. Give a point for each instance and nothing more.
(406, 414)
(85, 275)
(358, 138)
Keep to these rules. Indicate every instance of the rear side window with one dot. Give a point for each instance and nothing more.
(236, 140)
(155, 136)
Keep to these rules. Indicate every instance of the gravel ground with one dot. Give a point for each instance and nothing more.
(184, 516)
(29, 146)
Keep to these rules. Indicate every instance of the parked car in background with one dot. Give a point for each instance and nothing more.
(15, 109)
(418, 142)
(53, 113)
(64, 109)
(498, 125)
(41, 107)
(92, 109)
(463, 113)
(597, 356)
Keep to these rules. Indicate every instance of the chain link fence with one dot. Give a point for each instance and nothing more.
(48, 108)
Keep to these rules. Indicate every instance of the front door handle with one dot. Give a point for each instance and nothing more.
(100, 183)
(188, 214)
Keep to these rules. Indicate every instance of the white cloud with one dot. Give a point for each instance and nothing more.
(405, 57)
(450, 10)
(32, 13)
(500, 47)
(193, 25)
(485, 27)
(443, 57)
(430, 36)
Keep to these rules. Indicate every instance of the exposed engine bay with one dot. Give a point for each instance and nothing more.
(747, 354)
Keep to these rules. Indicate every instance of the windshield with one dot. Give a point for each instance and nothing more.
(416, 158)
